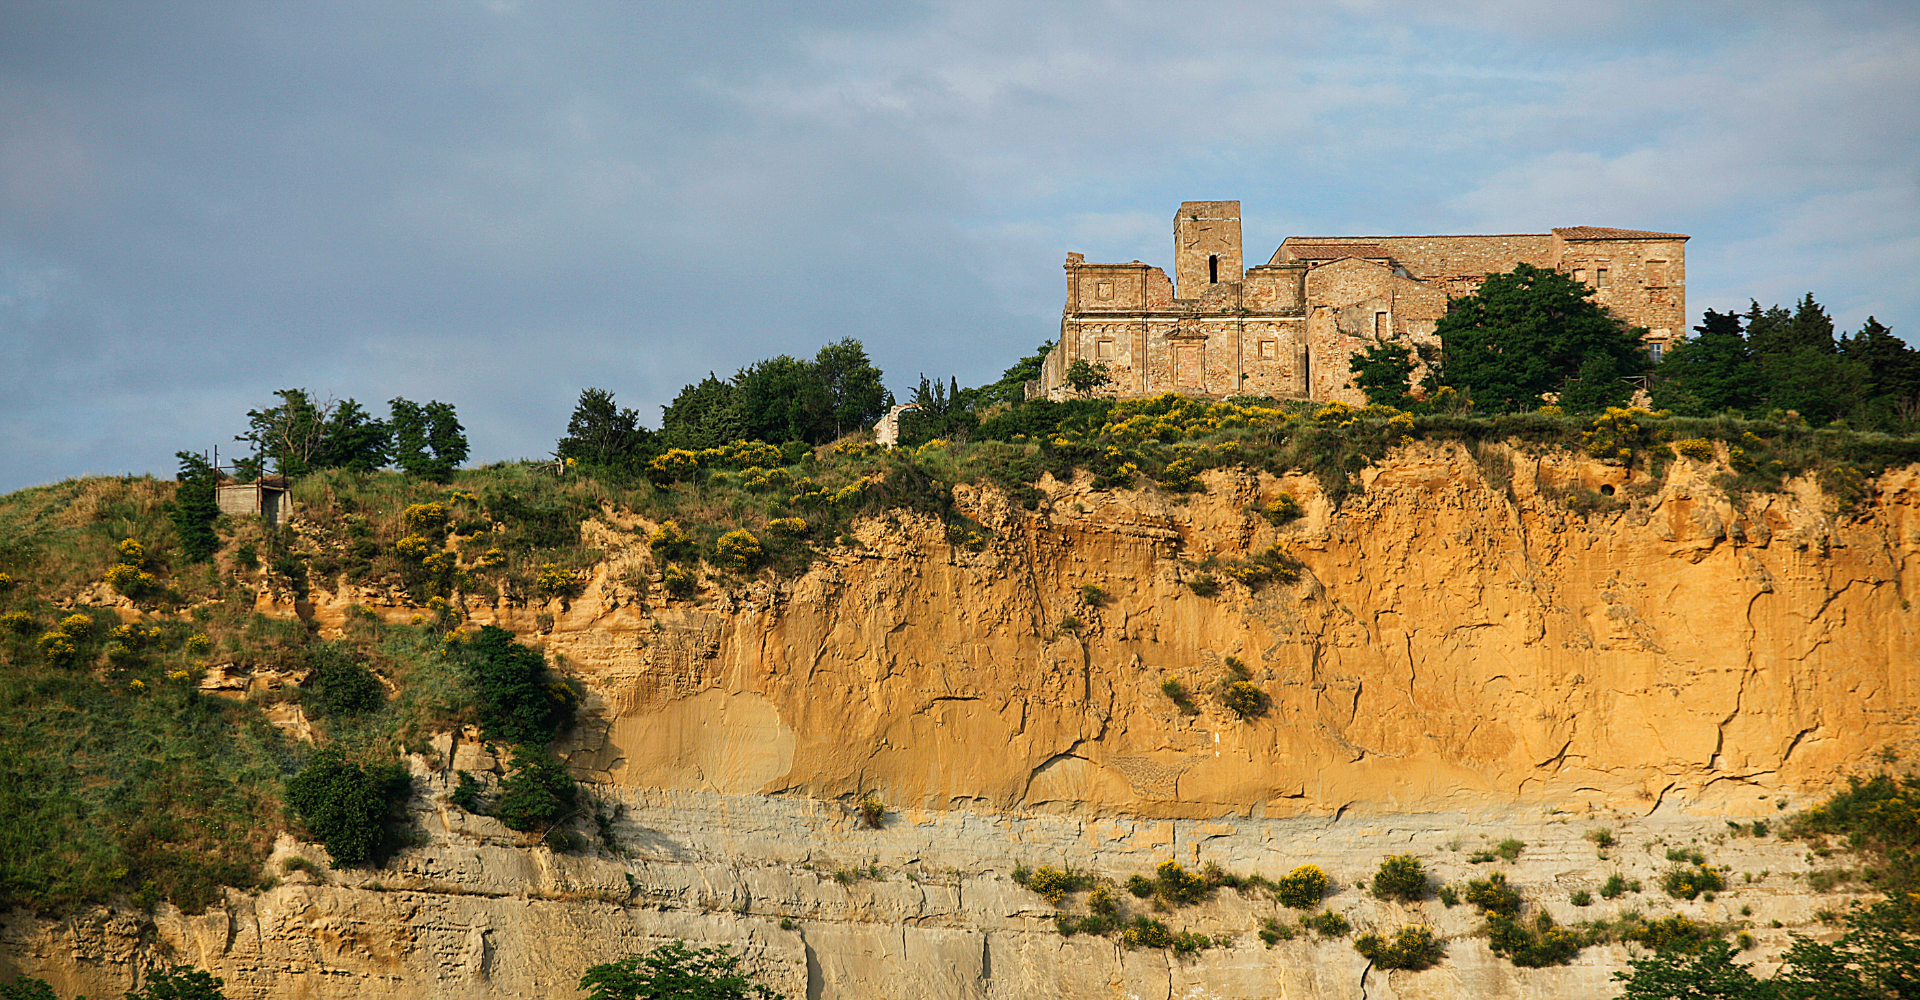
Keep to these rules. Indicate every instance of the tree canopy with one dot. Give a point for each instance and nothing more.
(1532, 331)
(674, 971)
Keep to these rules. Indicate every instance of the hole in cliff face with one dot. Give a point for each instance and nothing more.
(1606, 490)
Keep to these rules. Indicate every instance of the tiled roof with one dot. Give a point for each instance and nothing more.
(1335, 251)
(1603, 233)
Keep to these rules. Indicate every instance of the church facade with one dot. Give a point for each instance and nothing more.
(1287, 328)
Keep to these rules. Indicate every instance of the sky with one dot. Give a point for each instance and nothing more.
(499, 204)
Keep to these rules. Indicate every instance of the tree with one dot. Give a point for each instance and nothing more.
(704, 415)
(781, 399)
(601, 434)
(27, 988)
(352, 439)
(1086, 376)
(1892, 370)
(1012, 386)
(674, 971)
(537, 794)
(428, 441)
(855, 395)
(1532, 331)
(1384, 372)
(519, 701)
(349, 808)
(1799, 364)
(1711, 974)
(196, 505)
(180, 982)
(1711, 373)
(287, 436)
(1878, 956)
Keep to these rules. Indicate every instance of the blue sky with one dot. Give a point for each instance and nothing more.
(499, 204)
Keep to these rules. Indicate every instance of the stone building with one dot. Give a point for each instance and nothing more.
(1287, 328)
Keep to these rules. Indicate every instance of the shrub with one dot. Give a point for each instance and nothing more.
(674, 970)
(1401, 877)
(1145, 932)
(1581, 897)
(466, 794)
(133, 581)
(1244, 699)
(1327, 923)
(1303, 888)
(1176, 692)
(669, 542)
(1273, 931)
(180, 982)
(738, 550)
(1178, 886)
(1094, 596)
(27, 988)
(1413, 949)
(1670, 933)
(555, 581)
(1689, 881)
(1281, 509)
(16, 623)
(519, 701)
(872, 811)
(340, 682)
(351, 810)
(679, 582)
(538, 793)
(1509, 849)
(1053, 884)
(1493, 896)
(1203, 584)
(790, 526)
(1617, 885)
(1449, 896)
(1542, 945)
(1602, 838)
(1698, 449)
(425, 518)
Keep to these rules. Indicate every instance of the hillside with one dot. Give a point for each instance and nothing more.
(1218, 635)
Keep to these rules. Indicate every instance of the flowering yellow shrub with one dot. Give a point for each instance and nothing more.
(132, 552)
(6, 582)
(425, 518)
(738, 549)
(554, 581)
(16, 622)
(414, 547)
(1698, 449)
(854, 448)
(198, 644)
(58, 648)
(76, 626)
(491, 558)
(788, 525)
(674, 465)
(852, 492)
(679, 582)
(131, 580)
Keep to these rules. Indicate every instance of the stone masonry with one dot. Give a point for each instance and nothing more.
(1287, 328)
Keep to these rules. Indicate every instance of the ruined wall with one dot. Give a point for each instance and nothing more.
(1641, 281)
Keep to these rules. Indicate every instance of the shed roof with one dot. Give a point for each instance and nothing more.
(1603, 233)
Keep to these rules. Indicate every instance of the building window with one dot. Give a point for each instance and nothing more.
(1103, 350)
(1269, 350)
(1656, 274)
(1382, 327)
(1103, 290)
(1213, 269)
(1580, 275)
(1600, 279)
(1655, 350)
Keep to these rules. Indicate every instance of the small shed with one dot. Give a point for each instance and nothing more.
(261, 498)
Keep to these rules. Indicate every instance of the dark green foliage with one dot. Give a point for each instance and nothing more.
(353, 811)
(466, 794)
(1878, 815)
(1413, 949)
(180, 982)
(780, 400)
(1012, 385)
(1177, 693)
(1402, 878)
(341, 684)
(603, 436)
(1673, 932)
(1529, 332)
(1534, 946)
(1509, 849)
(25, 988)
(1085, 376)
(519, 700)
(1711, 373)
(674, 971)
(1689, 881)
(1617, 885)
(428, 441)
(1709, 974)
(1384, 372)
(939, 411)
(537, 793)
(1327, 923)
(1041, 418)
(196, 505)
(1878, 956)
(703, 415)
(854, 394)
(303, 434)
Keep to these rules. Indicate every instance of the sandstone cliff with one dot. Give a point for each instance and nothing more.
(1462, 658)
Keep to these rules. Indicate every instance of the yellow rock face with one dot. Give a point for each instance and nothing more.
(1459, 638)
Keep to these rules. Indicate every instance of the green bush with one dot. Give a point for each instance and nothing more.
(1327, 923)
(1244, 699)
(674, 970)
(1272, 931)
(466, 794)
(353, 811)
(1303, 888)
(26, 988)
(1618, 885)
(519, 700)
(1689, 881)
(1177, 693)
(180, 982)
(1509, 849)
(1493, 896)
(1281, 509)
(1401, 877)
(1534, 947)
(537, 793)
(1673, 933)
(340, 683)
(1413, 949)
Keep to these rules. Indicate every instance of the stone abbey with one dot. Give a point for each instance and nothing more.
(1287, 328)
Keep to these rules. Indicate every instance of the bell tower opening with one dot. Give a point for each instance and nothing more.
(1213, 269)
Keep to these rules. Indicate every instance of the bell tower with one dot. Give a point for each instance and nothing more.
(1206, 246)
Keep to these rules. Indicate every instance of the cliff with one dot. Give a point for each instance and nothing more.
(1462, 658)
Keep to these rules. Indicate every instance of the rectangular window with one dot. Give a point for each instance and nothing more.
(1600, 279)
(1580, 275)
(1269, 350)
(1654, 351)
(1103, 350)
(1103, 290)
(1382, 329)
(1656, 274)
